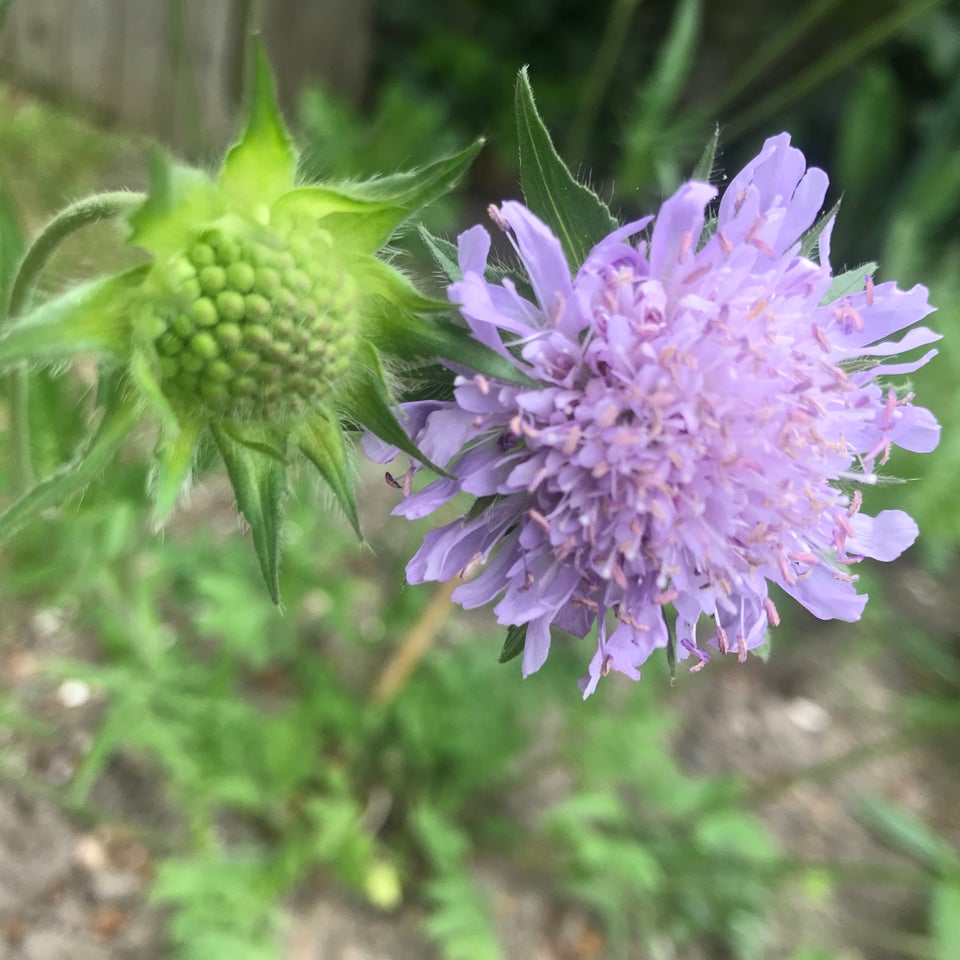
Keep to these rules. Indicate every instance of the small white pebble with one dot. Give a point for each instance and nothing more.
(73, 693)
(807, 716)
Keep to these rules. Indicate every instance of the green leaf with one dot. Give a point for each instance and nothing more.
(117, 423)
(945, 921)
(810, 240)
(260, 439)
(672, 657)
(704, 168)
(575, 214)
(514, 643)
(92, 317)
(910, 834)
(259, 484)
(263, 164)
(379, 279)
(850, 282)
(444, 252)
(362, 216)
(320, 438)
(410, 337)
(365, 397)
(172, 467)
(179, 200)
(414, 189)
(142, 374)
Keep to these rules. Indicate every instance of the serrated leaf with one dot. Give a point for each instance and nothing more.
(704, 168)
(321, 440)
(75, 476)
(179, 199)
(410, 337)
(379, 279)
(263, 164)
(852, 281)
(444, 252)
(172, 467)
(261, 439)
(141, 373)
(92, 317)
(810, 239)
(414, 189)
(514, 643)
(365, 397)
(259, 484)
(576, 214)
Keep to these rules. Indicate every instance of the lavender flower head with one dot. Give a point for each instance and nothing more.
(702, 418)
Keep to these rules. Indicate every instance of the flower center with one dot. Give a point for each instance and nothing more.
(257, 322)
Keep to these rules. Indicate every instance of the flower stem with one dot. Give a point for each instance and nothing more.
(101, 206)
(415, 644)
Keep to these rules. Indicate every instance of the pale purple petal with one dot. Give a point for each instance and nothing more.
(697, 419)
(883, 537)
(537, 645)
(541, 252)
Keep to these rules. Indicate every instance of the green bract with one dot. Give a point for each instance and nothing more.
(260, 321)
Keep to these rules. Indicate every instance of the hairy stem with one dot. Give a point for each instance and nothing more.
(101, 206)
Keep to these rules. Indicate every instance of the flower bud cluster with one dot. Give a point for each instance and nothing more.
(257, 322)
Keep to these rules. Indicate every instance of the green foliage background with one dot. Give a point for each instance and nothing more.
(273, 721)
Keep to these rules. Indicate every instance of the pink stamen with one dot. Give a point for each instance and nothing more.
(773, 614)
(493, 211)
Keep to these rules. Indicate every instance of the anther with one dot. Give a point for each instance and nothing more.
(493, 211)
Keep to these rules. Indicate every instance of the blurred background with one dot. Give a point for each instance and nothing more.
(187, 772)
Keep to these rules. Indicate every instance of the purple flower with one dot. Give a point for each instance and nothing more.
(702, 417)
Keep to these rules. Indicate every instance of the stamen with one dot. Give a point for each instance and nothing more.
(820, 337)
(869, 290)
(392, 480)
(539, 519)
(772, 614)
(702, 655)
(666, 596)
(493, 211)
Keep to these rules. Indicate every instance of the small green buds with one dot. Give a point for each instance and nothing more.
(254, 322)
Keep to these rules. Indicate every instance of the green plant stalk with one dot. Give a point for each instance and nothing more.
(767, 54)
(83, 213)
(605, 61)
(837, 60)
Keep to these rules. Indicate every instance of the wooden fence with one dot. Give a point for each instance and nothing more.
(175, 68)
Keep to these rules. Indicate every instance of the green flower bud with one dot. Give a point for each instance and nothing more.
(212, 280)
(255, 326)
(204, 312)
(241, 277)
(230, 306)
(205, 346)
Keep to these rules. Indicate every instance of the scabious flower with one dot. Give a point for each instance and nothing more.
(707, 405)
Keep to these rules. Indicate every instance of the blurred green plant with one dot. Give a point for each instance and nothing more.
(261, 727)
